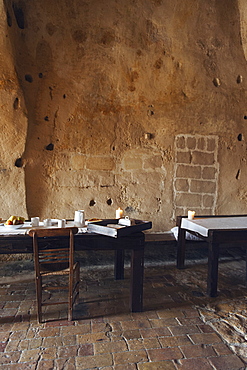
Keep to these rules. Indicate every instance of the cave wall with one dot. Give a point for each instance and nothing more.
(132, 104)
(13, 129)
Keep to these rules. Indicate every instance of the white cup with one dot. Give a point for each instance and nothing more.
(79, 219)
(47, 222)
(61, 223)
(35, 221)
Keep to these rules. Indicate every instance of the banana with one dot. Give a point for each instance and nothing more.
(12, 218)
(15, 220)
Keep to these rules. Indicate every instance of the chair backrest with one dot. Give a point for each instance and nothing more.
(53, 257)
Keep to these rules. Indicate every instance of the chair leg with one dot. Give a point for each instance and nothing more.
(39, 298)
(70, 304)
(70, 298)
(73, 291)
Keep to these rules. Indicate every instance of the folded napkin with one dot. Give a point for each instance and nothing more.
(188, 236)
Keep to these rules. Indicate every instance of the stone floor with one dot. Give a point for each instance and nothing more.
(179, 328)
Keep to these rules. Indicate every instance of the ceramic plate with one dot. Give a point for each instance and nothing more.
(13, 227)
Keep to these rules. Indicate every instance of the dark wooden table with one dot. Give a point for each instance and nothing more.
(215, 236)
(16, 244)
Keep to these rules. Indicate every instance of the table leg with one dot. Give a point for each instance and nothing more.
(136, 287)
(213, 257)
(181, 248)
(246, 267)
(119, 264)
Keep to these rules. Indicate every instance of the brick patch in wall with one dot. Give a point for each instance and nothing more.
(195, 184)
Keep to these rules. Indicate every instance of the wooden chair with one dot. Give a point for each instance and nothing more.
(54, 256)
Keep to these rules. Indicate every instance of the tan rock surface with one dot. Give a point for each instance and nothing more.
(95, 94)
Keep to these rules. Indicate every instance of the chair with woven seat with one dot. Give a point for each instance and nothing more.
(54, 256)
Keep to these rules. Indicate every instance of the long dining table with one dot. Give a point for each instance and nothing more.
(17, 242)
(215, 230)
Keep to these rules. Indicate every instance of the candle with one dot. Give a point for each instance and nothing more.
(191, 215)
(119, 213)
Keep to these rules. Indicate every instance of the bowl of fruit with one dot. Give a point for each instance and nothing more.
(14, 222)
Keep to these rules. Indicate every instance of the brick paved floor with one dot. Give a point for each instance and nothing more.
(168, 334)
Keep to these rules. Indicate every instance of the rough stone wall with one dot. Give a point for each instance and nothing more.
(195, 174)
(95, 95)
(13, 130)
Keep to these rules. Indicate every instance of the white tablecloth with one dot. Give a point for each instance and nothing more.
(23, 229)
(203, 225)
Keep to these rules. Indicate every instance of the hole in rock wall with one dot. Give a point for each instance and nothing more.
(148, 136)
(19, 15)
(216, 82)
(49, 146)
(40, 75)
(46, 118)
(16, 103)
(109, 201)
(92, 202)
(240, 137)
(19, 162)
(150, 111)
(238, 174)
(239, 79)
(28, 78)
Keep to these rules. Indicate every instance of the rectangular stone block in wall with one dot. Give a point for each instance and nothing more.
(100, 163)
(195, 181)
(202, 186)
